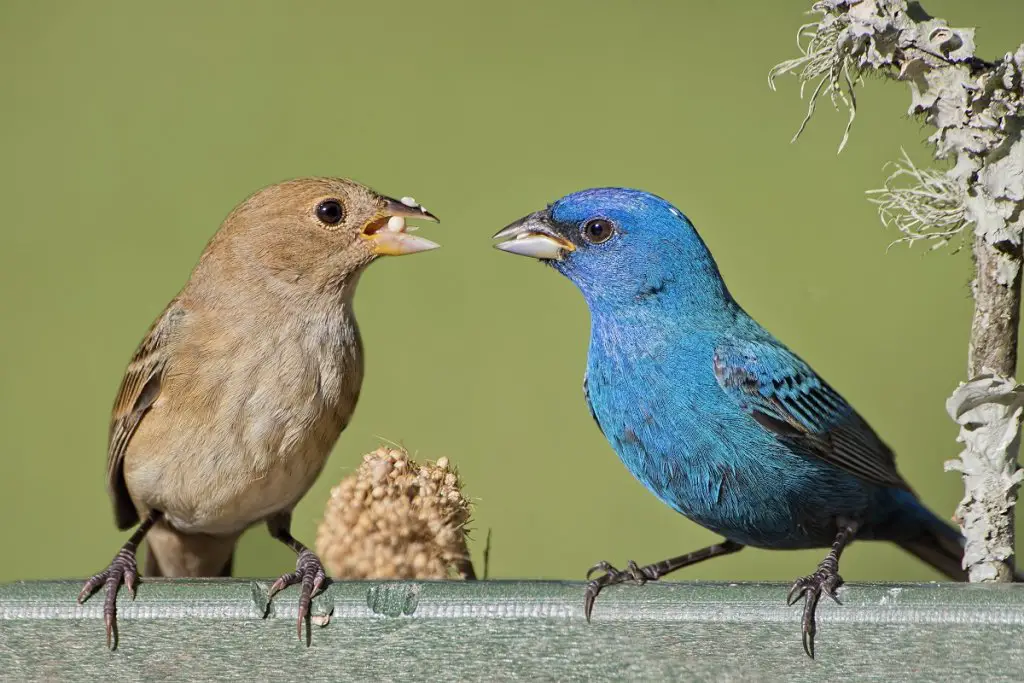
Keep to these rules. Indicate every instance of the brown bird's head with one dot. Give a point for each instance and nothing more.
(315, 233)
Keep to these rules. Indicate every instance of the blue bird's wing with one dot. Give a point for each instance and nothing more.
(786, 397)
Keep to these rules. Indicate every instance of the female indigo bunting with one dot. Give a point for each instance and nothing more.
(234, 399)
(709, 411)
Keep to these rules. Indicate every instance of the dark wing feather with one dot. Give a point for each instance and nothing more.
(786, 397)
(139, 389)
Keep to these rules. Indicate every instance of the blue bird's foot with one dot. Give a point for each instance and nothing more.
(612, 576)
(633, 572)
(652, 572)
(825, 580)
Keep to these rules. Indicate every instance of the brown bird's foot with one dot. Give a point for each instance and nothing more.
(122, 570)
(310, 573)
(824, 581)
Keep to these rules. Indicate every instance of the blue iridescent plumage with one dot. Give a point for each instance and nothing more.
(708, 410)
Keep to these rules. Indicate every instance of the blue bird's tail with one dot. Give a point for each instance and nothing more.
(941, 546)
(935, 542)
(925, 536)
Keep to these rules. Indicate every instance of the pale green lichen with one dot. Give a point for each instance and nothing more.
(976, 107)
(823, 63)
(923, 204)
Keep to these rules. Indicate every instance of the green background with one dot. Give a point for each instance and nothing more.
(130, 129)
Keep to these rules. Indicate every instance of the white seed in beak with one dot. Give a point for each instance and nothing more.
(410, 202)
(396, 224)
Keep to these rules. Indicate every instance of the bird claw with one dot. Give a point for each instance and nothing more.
(310, 573)
(825, 581)
(612, 576)
(129, 582)
(123, 569)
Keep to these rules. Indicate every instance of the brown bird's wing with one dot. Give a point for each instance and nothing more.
(139, 389)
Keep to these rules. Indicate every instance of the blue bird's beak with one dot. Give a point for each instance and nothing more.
(534, 236)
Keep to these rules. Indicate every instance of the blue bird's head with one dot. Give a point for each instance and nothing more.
(624, 249)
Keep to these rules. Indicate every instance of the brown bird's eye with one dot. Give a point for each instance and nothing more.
(597, 230)
(330, 212)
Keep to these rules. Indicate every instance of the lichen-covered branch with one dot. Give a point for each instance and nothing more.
(977, 110)
(989, 410)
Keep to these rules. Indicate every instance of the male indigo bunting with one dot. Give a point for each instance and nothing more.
(236, 396)
(709, 411)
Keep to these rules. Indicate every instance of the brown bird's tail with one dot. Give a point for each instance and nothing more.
(173, 554)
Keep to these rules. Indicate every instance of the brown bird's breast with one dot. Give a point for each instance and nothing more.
(251, 406)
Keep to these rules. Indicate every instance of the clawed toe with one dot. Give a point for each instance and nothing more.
(636, 573)
(122, 570)
(590, 594)
(633, 572)
(309, 572)
(610, 577)
(602, 566)
(799, 589)
(811, 588)
(652, 572)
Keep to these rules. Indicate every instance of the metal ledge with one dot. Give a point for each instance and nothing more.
(503, 630)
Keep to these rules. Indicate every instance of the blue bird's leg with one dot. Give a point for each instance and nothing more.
(652, 572)
(825, 580)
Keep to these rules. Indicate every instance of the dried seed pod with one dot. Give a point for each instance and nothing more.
(396, 519)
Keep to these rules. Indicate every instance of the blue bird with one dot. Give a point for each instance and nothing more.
(709, 411)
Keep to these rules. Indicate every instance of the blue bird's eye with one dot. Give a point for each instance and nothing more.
(597, 230)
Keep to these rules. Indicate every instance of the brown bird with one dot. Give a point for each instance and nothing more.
(234, 399)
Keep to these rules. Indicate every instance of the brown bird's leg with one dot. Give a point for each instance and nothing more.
(308, 569)
(122, 569)
(825, 580)
(652, 572)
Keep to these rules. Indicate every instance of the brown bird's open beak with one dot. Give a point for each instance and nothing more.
(389, 233)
